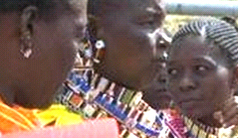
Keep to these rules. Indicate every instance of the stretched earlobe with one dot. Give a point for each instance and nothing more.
(236, 72)
(28, 18)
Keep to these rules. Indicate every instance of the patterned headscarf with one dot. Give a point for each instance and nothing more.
(223, 34)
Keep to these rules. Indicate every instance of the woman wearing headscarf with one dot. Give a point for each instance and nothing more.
(202, 69)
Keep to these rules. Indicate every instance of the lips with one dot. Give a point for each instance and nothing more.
(161, 94)
(189, 102)
(159, 99)
(157, 95)
(162, 90)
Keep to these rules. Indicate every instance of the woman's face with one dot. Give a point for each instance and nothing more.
(34, 81)
(156, 94)
(130, 32)
(199, 78)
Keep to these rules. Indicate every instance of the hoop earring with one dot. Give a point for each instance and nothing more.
(26, 44)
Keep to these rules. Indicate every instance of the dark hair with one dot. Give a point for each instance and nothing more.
(17, 5)
(45, 7)
(97, 9)
(231, 20)
(222, 33)
(100, 7)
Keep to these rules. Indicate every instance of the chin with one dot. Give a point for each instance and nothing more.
(197, 112)
(192, 113)
(36, 104)
(157, 102)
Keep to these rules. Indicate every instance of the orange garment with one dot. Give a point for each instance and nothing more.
(16, 118)
(23, 123)
(13, 119)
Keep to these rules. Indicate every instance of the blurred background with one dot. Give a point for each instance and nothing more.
(176, 17)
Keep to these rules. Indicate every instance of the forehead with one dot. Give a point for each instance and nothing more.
(78, 7)
(192, 47)
(143, 3)
(135, 5)
(152, 6)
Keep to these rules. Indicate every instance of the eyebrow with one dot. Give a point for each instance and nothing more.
(152, 10)
(206, 59)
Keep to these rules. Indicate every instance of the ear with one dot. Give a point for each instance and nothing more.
(235, 81)
(28, 18)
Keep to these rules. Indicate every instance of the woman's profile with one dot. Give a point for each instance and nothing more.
(37, 50)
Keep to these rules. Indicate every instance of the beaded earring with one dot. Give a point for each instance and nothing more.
(100, 46)
(26, 44)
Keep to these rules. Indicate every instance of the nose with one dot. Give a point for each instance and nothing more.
(79, 31)
(187, 83)
(162, 75)
(162, 78)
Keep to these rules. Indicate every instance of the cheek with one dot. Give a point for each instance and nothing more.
(65, 28)
(130, 35)
(219, 86)
(141, 36)
(173, 87)
(139, 66)
(223, 79)
(225, 86)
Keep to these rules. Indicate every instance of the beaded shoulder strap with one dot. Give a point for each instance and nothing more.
(103, 98)
(202, 131)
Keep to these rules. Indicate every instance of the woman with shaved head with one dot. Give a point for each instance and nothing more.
(131, 31)
(128, 35)
(36, 52)
(37, 47)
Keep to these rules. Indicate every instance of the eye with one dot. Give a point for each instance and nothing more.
(147, 23)
(162, 45)
(173, 72)
(150, 22)
(201, 68)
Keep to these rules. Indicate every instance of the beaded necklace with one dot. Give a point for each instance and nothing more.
(199, 131)
(203, 131)
(95, 96)
(103, 98)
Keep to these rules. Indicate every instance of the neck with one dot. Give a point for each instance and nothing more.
(123, 104)
(198, 129)
(116, 77)
(208, 121)
(202, 130)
